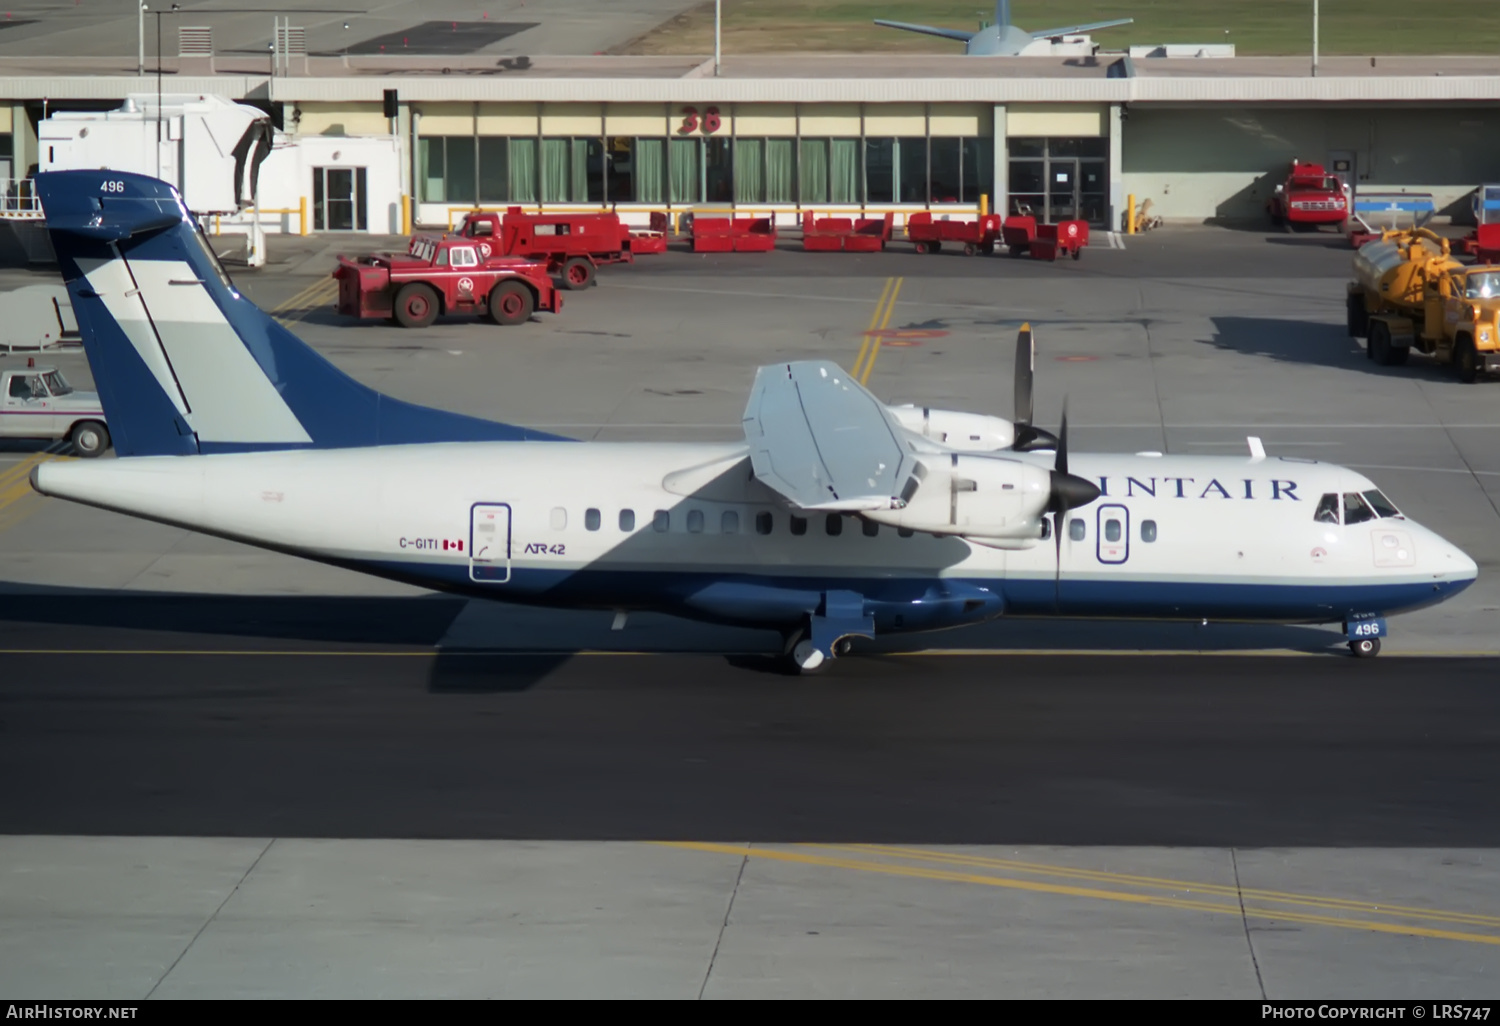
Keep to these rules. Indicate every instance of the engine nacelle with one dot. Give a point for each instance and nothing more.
(966, 432)
(977, 496)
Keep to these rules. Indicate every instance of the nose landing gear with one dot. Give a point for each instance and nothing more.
(1364, 634)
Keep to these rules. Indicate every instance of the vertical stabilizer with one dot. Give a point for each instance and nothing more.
(184, 363)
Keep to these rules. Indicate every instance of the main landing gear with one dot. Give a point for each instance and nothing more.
(830, 632)
(1365, 648)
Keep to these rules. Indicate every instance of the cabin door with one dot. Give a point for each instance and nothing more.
(489, 542)
(1114, 534)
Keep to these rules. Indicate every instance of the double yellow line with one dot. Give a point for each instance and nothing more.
(864, 363)
(15, 486)
(957, 867)
(301, 304)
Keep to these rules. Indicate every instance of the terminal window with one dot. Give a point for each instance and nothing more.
(1059, 179)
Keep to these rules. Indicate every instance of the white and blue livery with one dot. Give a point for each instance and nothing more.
(836, 517)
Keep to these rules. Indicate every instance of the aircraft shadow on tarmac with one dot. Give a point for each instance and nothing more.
(1313, 344)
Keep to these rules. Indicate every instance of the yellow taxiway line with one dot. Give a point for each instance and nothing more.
(880, 320)
(1240, 906)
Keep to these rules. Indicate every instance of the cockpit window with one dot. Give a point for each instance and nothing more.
(1356, 510)
(1380, 504)
(1328, 509)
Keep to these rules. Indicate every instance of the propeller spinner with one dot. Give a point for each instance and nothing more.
(1069, 491)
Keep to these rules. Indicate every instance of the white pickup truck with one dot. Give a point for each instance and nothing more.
(38, 402)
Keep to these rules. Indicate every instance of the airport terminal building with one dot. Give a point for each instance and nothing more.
(374, 145)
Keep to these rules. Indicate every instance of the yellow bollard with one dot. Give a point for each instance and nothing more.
(302, 215)
(1130, 214)
(984, 204)
(405, 214)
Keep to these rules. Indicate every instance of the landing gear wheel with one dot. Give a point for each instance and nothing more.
(416, 305)
(1365, 648)
(578, 273)
(510, 303)
(90, 439)
(1466, 361)
(808, 657)
(842, 647)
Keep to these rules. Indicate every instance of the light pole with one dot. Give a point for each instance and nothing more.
(1315, 39)
(718, 18)
(175, 9)
(140, 60)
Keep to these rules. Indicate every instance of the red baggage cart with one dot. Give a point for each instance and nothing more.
(850, 235)
(733, 235)
(974, 236)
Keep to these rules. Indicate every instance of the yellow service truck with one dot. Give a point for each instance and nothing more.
(1409, 293)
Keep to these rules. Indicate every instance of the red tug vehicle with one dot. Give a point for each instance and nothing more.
(443, 275)
(1310, 195)
(571, 245)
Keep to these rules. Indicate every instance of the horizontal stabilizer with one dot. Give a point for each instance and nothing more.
(958, 34)
(822, 441)
(1074, 30)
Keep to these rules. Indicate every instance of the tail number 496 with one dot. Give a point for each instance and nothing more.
(112, 185)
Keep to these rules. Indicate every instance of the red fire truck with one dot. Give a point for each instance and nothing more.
(443, 275)
(572, 245)
(1310, 195)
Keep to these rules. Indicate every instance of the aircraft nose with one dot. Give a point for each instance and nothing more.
(1449, 561)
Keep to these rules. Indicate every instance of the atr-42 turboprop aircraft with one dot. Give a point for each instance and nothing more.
(837, 517)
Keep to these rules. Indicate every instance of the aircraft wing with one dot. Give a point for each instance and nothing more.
(958, 34)
(822, 442)
(1073, 30)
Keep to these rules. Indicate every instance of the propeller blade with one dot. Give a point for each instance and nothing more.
(1025, 365)
(1060, 464)
(1058, 525)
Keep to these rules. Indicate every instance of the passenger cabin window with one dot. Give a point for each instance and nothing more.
(1328, 509)
(695, 521)
(661, 521)
(559, 519)
(1148, 530)
(1077, 530)
(1356, 509)
(1112, 530)
(627, 520)
(729, 523)
(871, 528)
(799, 525)
(763, 523)
(591, 519)
(834, 524)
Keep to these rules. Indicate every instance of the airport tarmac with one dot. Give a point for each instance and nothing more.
(305, 782)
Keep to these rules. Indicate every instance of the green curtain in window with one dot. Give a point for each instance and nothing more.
(579, 186)
(494, 178)
(813, 179)
(749, 165)
(555, 170)
(844, 166)
(650, 182)
(684, 171)
(430, 170)
(462, 187)
(781, 171)
(523, 170)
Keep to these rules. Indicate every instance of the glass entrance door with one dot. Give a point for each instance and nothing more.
(1059, 179)
(339, 199)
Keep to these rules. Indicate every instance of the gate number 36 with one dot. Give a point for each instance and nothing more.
(711, 123)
